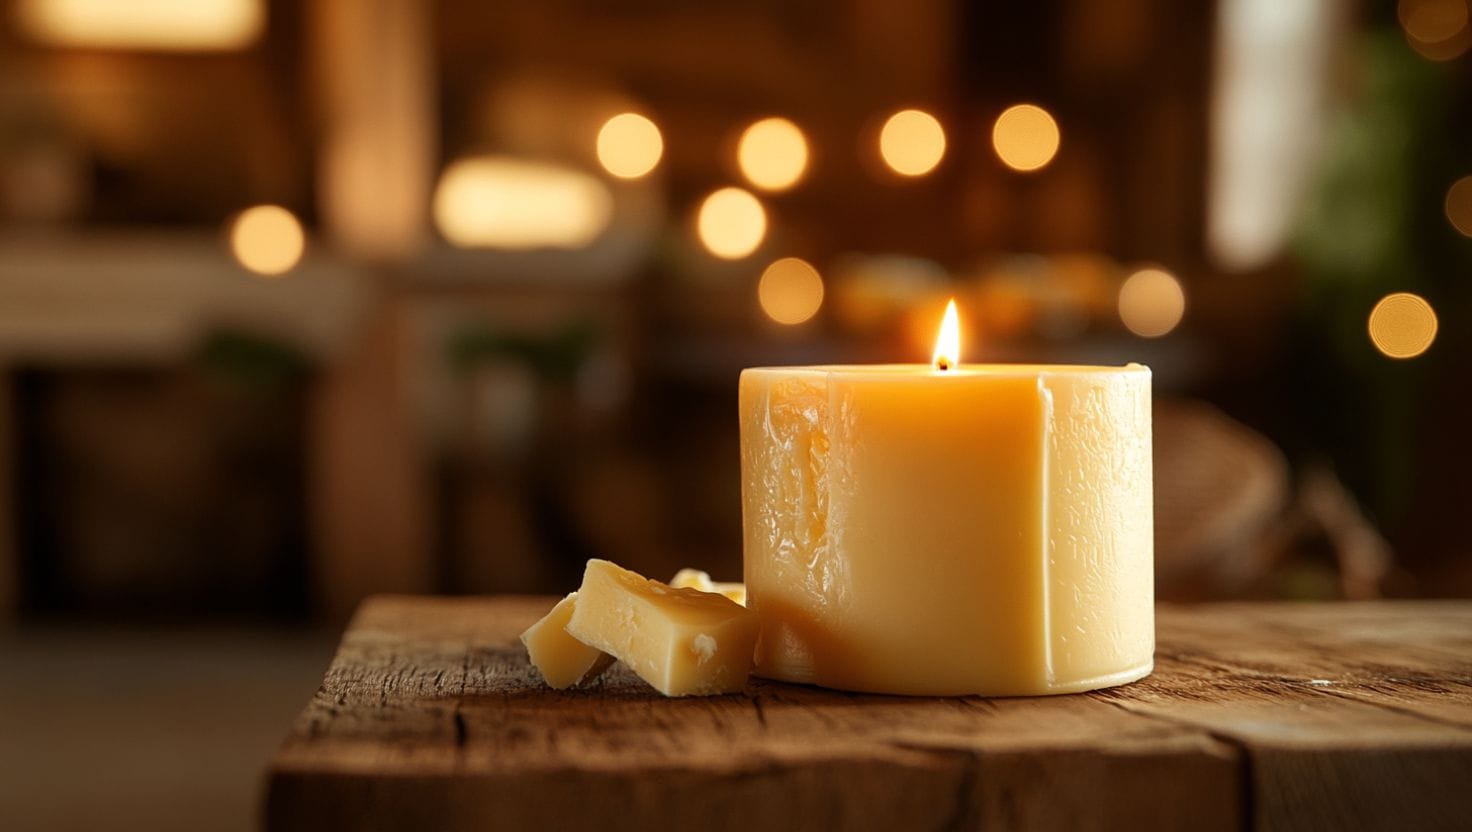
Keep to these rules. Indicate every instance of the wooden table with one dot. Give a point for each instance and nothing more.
(1273, 716)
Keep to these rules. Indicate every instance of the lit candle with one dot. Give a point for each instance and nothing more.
(951, 528)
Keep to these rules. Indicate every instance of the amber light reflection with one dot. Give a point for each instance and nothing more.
(629, 145)
(1025, 137)
(912, 142)
(1402, 325)
(267, 240)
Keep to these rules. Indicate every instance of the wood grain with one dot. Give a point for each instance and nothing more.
(1349, 716)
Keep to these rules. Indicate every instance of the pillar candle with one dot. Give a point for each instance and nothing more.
(949, 529)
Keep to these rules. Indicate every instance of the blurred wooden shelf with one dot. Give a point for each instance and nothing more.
(135, 297)
(715, 360)
(1335, 716)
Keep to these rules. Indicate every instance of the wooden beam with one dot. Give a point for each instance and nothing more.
(369, 485)
(375, 67)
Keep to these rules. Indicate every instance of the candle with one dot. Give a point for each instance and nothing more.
(950, 528)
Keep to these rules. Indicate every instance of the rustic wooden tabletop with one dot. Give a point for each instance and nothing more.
(1271, 716)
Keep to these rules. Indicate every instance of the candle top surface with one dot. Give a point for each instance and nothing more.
(928, 370)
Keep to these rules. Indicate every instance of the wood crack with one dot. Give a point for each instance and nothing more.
(761, 711)
(462, 732)
(964, 812)
(1241, 751)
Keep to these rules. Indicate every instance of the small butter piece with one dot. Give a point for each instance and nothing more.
(696, 579)
(681, 641)
(563, 660)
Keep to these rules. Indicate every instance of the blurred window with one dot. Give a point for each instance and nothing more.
(1272, 76)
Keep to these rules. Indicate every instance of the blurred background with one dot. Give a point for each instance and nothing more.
(301, 302)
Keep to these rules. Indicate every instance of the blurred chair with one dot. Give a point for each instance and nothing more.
(1229, 523)
(1219, 487)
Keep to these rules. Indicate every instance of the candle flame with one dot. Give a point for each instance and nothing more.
(948, 344)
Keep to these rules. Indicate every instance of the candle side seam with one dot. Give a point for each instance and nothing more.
(1045, 398)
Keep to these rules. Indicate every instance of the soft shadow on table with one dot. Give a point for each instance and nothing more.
(146, 729)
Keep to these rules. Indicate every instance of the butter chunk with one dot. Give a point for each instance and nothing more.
(682, 641)
(563, 660)
(696, 579)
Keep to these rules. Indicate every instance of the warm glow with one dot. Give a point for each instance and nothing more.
(790, 291)
(267, 239)
(773, 154)
(509, 203)
(1432, 21)
(184, 25)
(948, 343)
(1459, 205)
(912, 142)
(1402, 325)
(1151, 303)
(731, 223)
(629, 145)
(1437, 29)
(1025, 137)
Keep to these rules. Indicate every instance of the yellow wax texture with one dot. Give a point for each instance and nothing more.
(982, 530)
(682, 641)
(698, 579)
(563, 660)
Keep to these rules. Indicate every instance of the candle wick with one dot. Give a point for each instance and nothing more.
(942, 364)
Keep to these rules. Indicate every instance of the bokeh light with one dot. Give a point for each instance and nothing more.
(731, 223)
(184, 25)
(267, 239)
(629, 145)
(790, 291)
(1402, 325)
(1025, 137)
(1438, 29)
(1459, 205)
(1151, 302)
(508, 203)
(912, 142)
(772, 154)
